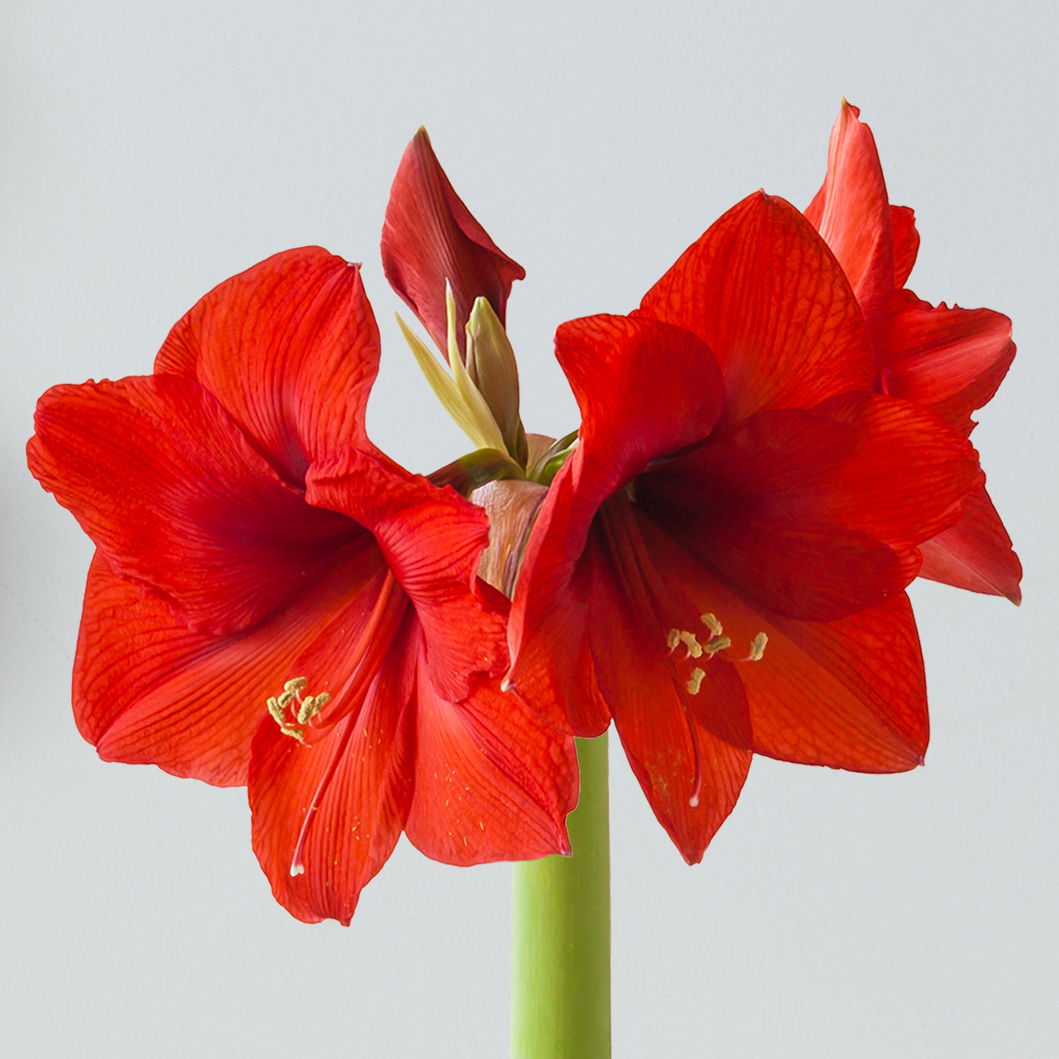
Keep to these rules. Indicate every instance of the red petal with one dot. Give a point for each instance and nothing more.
(761, 289)
(491, 781)
(658, 745)
(847, 693)
(645, 389)
(908, 476)
(815, 514)
(548, 629)
(432, 539)
(177, 500)
(950, 360)
(335, 809)
(975, 553)
(290, 349)
(852, 212)
(906, 242)
(675, 741)
(149, 691)
(429, 237)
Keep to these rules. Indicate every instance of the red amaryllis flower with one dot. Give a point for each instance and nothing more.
(274, 602)
(950, 360)
(720, 564)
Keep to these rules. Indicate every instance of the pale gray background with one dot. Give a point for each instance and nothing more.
(149, 150)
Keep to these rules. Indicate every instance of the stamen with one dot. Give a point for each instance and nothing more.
(757, 647)
(303, 708)
(312, 705)
(695, 683)
(691, 642)
(717, 643)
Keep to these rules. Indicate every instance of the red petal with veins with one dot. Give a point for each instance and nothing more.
(192, 512)
(290, 349)
(327, 816)
(492, 782)
(548, 631)
(975, 553)
(949, 360)
(851, 211)
(192, 701)
(691, 775)
(430, 237)
(761, 289)
(432, 539)
(644, 389)
(846, 693)
(816, 514)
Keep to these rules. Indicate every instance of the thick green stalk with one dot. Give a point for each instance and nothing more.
(560, 985)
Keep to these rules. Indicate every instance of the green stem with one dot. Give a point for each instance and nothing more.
(560, 989)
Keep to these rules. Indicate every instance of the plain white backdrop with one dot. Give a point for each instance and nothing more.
(150, 150)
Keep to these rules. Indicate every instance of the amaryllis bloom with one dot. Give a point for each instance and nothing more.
(273, 602)
(950, 360)
(720, 565)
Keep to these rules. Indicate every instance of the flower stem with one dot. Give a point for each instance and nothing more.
(560, 990)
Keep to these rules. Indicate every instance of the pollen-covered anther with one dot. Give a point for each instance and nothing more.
(695, 681)
(292, 710)
(757, 647)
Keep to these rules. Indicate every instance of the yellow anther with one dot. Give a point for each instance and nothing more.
(757, 647)
(695, 682)
(296, 684)
(276, 710)
(711, 623)
(312, 705)
(672, 638)
(691, 642)
(718, 643)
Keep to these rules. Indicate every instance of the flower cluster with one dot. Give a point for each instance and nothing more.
(773, 445)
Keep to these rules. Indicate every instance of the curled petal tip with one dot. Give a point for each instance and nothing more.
(430, 237)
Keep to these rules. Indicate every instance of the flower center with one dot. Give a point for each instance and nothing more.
(696, 649)
(298, 713)
(717, 642)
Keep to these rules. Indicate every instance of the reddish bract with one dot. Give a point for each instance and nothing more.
(950, 360)
(736, 476)
(248, 533)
